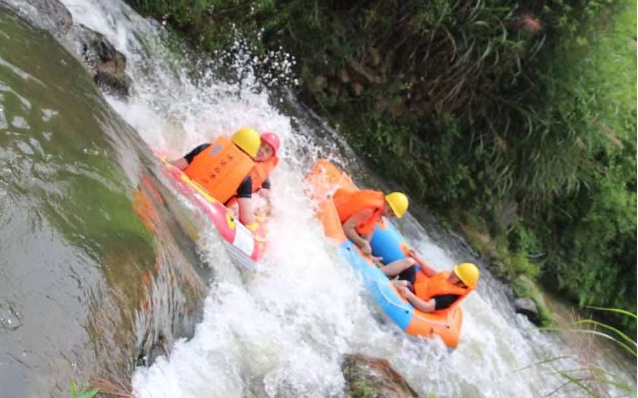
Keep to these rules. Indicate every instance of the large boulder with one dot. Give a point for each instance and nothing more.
(50, 15)
(374, 378)
(530, 300)
(528, 307)
(105, 63)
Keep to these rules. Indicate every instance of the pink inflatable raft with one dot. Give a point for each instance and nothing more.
(246, 243)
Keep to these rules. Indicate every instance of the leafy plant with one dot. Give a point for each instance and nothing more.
(81, 393)
(361, 389)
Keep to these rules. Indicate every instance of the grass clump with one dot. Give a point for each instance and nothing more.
(590, 377)
(361, 389)
(75, 392)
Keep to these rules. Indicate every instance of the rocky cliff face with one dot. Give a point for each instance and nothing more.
(104, 62)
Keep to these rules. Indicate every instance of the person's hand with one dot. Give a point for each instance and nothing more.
(365, 247)
(266, 210)
(234, 212)
(404, 290)
(403, 287)
(261, 212)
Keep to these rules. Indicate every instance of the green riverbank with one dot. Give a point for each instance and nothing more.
(515, 124)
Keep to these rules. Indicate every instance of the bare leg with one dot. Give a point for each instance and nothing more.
(398, 266)
(397, 283)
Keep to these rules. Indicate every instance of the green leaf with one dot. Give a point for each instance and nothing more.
(616, 310)
(87, 394)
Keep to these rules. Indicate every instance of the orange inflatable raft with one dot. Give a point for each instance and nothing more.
(246, 243)
(323, 180)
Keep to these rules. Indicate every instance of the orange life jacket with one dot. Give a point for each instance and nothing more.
(258, 175)
(261, 171)
(426, 288)
(349, 202)
(220, 168)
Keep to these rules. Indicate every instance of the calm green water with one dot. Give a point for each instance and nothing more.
(73, 251)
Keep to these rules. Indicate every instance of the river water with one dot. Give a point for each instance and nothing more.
(103, 268)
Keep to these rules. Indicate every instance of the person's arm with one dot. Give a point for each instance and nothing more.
(368, 236)
(419, 304)
(180, 163)
(398, 266)
(245, 201)
(265, 193)
(245, 206)
(349, 229)
(265, 209)
(427, 269)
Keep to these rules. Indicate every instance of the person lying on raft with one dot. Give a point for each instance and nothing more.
(265, 162)
(359, 211)
(439, 290)
(231, 169)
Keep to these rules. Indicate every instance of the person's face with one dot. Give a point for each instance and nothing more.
(388, 212)
(456, 281)
(265, 152)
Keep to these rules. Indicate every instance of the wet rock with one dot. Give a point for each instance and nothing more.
(50, 15)
(105, 63)
(528, 307)
(373, 378)
(55, 12)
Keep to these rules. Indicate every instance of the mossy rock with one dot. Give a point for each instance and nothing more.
(368, 377)
(524, 287)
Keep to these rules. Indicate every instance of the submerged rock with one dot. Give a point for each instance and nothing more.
(374, 378)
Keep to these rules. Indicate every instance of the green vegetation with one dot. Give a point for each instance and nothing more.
(361, 389)
(515, 121)
(590, 378)
(81, 393)
(525, 287)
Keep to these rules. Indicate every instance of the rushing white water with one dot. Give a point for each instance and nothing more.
(281, 331)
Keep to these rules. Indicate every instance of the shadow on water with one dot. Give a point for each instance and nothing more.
(94, 273)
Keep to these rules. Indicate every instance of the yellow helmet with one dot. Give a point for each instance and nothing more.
(468, 273)
(398, 203)
(248, 140)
